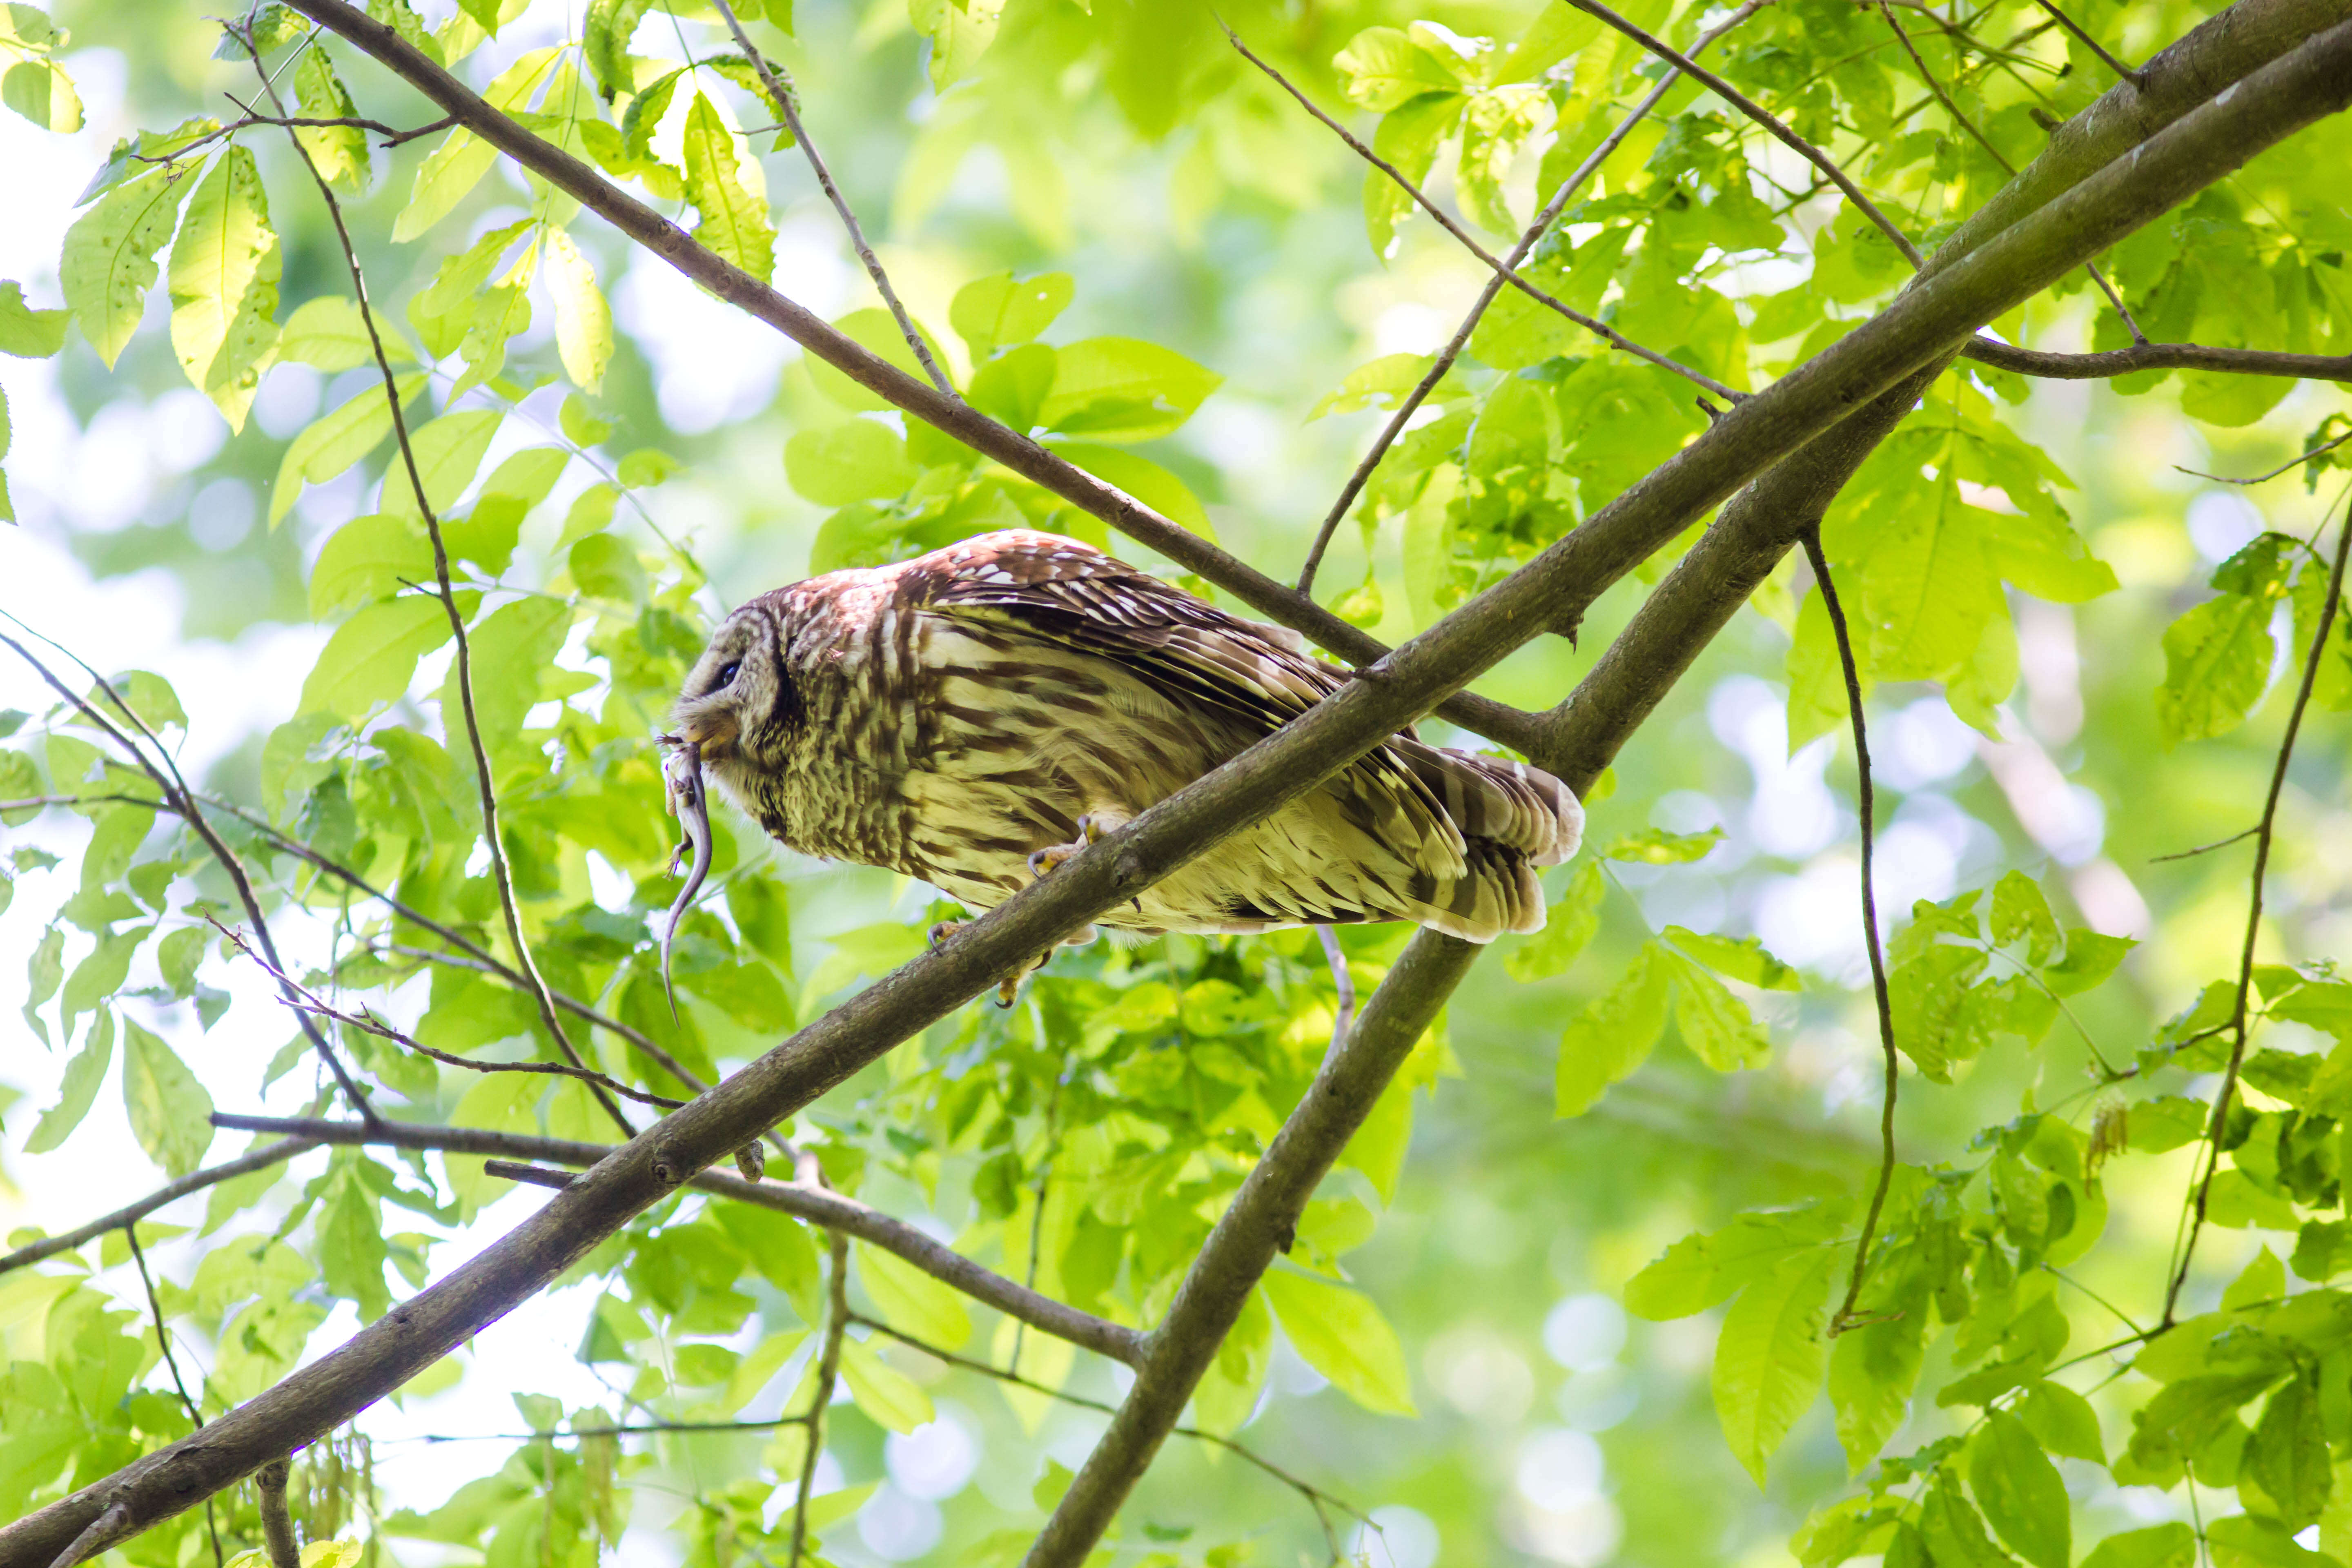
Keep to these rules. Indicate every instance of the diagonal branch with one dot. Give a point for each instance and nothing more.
(305, 1000)
(828, 1374)
(1925, 322)
(1264, 1215)
(788, 105)
(178, 798)
(259, 1159)
(1486, 297)
(1504, 270)
(2092, 44)
(817, 1205)
(1007, 447)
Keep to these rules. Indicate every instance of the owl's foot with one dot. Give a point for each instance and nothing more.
(1008, 988)
(1092, 827)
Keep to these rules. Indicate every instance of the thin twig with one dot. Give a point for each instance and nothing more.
(2145, 356)
(1866, 815)
(164, 1343)
(1761, 116)
(2282, 468)
(828, 1370)
(788, 106)
(393, 135)
(1345, 1014)
(2262, 837)
(1505, 270)
(501, 874)
(2207, 849)
(180, 799)
(535, 1175)
(304, 999)
(1486, 297)
(2094, 45)
(1306, 1488)
(655, 1425)
(259, 1159)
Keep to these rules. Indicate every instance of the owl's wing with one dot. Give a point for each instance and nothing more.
(1071, 594)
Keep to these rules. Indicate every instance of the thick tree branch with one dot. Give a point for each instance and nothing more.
(817, 1205)
(1263, 1217)
(998, 442)
(1926, 321)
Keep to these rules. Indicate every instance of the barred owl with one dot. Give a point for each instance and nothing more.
(975, 716)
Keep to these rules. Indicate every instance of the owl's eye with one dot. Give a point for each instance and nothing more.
(727, 675)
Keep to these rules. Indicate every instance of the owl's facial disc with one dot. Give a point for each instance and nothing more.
(710, 708)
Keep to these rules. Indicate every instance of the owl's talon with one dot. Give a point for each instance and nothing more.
(938, 934)
(1092, 829)
(1007, 989)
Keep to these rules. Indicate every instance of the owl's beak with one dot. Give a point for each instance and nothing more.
(713, 730)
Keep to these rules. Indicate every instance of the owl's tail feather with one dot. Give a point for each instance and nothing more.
(1506, 802)
(1498, 892)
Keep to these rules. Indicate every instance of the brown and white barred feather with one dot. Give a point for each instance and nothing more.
(947, 716)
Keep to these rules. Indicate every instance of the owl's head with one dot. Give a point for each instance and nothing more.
(738, 703)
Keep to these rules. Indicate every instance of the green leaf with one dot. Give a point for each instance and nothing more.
(959, 31)
(1409, 137)
(2020, 1491)
(912, 1300)
(340, 153)
(100, 974)
(224, 268)
(2020, 913)
(447, 452)
(453, 168)
(35, 85)
(85, 1071)
(857, 459)
(606, 567)
(1769, 1357)
(1384, 68)
(444, 312)
(511, 646)
(25, 331)
(1341, 1334)
(1743, 959)
(2216, 664)
(1569, 925)
(171, 1114)
(1123, 389)
(881, 1389)
(334, 442)
(1000, 311)
(1383, 384)
(604, 42)
(328, 334)
(724, 183)
(108, 263)
(2170, 1545)
(370, 659)
(1656, 846)
(365, 559)
(1614, 1035)
(2090, 958)
(2244, 1541)
(2288, 1456)
(2062, 1421)
(584, 322)
(1715, 1025)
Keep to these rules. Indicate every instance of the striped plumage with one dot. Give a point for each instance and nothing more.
(948, 716)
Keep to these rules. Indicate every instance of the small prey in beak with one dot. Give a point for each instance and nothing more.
(684, 798)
